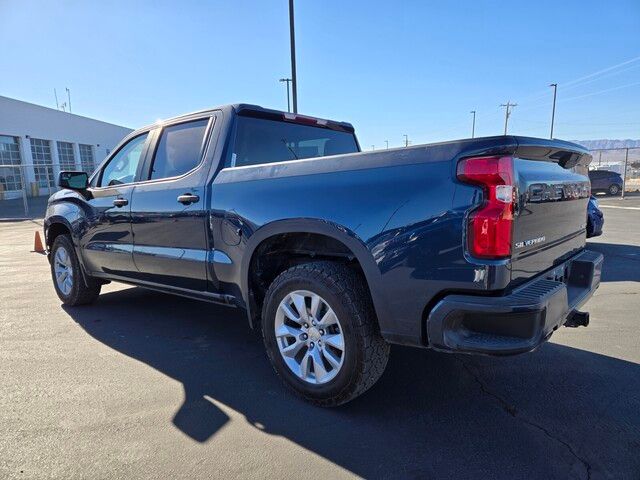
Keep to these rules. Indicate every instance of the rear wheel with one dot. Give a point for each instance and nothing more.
(321, 334)
(614, 189)
(67, 277)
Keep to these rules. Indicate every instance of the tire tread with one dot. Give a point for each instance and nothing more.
(347, 284)
(81, 294)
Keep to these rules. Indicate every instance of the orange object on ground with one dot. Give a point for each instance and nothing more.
(37, 244)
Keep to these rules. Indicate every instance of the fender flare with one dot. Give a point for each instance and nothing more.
(59, 218)
(337, 232)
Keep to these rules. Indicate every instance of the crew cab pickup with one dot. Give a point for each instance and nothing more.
(473, 246)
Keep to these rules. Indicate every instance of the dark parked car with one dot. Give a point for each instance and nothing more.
(474, 246)
(595, 218)
(605, 181)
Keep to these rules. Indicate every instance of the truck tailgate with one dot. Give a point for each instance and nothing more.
(550, 214)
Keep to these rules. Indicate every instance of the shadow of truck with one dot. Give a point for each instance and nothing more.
(554, 413)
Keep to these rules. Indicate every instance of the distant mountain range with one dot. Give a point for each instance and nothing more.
(600, 144)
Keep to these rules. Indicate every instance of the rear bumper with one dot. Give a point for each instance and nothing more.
(520, 321)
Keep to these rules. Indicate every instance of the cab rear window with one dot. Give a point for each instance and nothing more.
(260, 140)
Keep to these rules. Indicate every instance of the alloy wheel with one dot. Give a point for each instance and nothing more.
(309, 337)
(63, 270)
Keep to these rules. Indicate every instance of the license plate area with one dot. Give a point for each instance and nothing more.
(559, 274)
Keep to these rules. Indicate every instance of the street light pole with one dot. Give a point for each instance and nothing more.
(387, 142)
(553, 110)
(473, 125)
(406, 140)
(287, 80)
(294, 79)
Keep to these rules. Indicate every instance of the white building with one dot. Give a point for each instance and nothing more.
(37, 142)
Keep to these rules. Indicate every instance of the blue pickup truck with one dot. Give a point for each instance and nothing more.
(474, 246)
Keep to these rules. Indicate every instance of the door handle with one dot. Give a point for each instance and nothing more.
(120, 202)
(188, 198)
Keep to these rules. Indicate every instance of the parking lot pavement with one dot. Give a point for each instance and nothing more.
(630, 201)
(142, 385)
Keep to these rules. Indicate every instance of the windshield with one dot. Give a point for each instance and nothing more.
(259, 140)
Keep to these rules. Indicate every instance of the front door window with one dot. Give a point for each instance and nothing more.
(123, 167)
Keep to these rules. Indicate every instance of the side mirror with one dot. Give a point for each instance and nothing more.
(73, 180)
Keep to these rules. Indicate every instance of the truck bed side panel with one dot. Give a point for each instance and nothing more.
(400, 205)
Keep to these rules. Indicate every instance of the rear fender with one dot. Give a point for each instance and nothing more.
(315, 226)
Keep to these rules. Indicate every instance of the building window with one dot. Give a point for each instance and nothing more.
(86, 158)
(65, 156)
(42, 163)
(10, 176)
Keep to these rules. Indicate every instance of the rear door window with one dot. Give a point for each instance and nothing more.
(179, 149)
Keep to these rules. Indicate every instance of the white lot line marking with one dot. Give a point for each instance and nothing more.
(621, 208)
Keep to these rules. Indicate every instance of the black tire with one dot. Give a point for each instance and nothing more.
(614, 189)
(366, 353)
(80, 293)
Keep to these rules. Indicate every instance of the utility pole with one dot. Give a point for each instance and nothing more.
(406, 140)
(387, 142)
(624, 172)
(294, 79)
(373, 147)
(553, 110)
(69, 98)
(473, 125)
(288, 81)
(507, 113)
(56, 94)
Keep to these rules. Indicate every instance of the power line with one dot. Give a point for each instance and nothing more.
(536, 105)
(538, 100)
(602, 91)
(563, 88)
(599, 72)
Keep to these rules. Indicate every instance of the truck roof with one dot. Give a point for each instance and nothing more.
(257, 110)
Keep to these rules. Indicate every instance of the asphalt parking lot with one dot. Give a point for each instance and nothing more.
(143, 385)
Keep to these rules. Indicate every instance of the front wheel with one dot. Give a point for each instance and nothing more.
(614, 189)
(321, 334)
(67, 277)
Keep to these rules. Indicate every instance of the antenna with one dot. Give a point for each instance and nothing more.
(69, 98)
(57, 104)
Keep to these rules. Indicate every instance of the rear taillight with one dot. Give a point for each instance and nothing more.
(489, 231)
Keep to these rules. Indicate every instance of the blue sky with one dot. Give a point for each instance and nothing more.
(390, 68)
